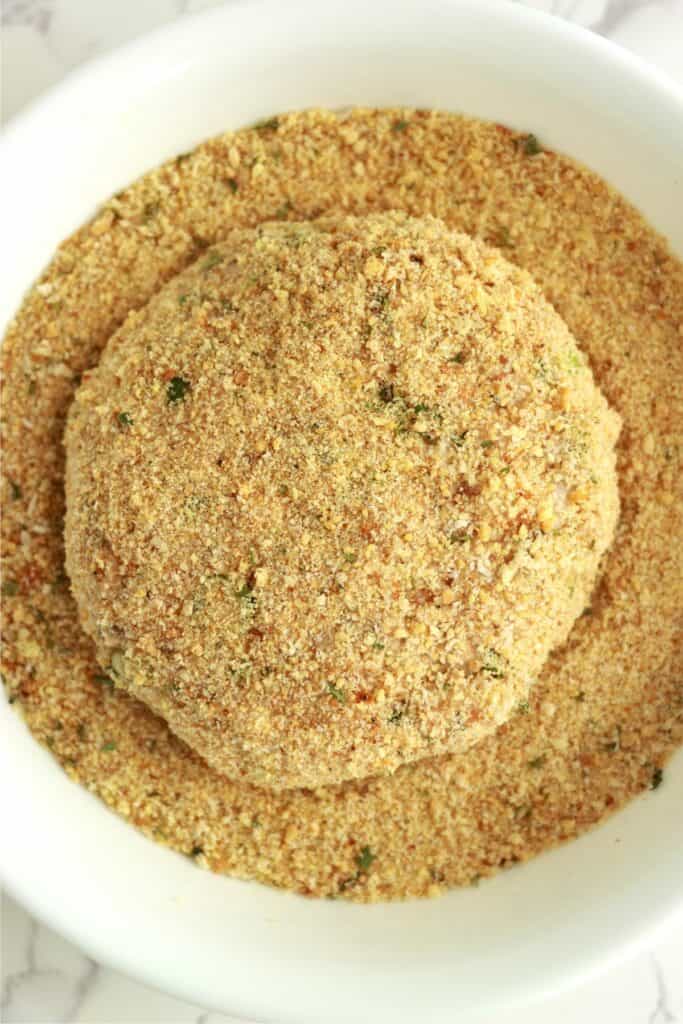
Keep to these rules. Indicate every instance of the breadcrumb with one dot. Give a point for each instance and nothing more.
(301, 540)
(607, 709)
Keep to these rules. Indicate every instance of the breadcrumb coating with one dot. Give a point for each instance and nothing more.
(335, 494)
(607, 709)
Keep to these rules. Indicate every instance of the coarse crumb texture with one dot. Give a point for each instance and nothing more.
(334, 495)
(607, 709)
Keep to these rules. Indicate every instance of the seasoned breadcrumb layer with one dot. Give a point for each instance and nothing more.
(607, 709)
(334, 495)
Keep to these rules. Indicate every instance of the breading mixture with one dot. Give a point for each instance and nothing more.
(607, 709)
(334, 495)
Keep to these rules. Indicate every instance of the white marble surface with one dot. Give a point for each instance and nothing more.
(44, 978)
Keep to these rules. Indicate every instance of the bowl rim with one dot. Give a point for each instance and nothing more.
(111, 60)
(113, 65)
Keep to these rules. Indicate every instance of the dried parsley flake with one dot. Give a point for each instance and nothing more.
(530, 145)
(177, 389)
(365, 858)
(335, 692)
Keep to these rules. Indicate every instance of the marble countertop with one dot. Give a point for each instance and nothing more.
(44, 978)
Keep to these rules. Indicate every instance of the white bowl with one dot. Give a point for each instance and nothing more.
(242, 947)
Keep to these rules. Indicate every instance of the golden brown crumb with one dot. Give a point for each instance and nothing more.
(607, 709)
(317, 509)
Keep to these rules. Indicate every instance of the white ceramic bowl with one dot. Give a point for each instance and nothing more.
(242, 947)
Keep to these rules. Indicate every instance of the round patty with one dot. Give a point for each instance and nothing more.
(334, 494)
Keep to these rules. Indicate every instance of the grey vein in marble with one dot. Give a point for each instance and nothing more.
(35, 13)
(13, 981)
(20, 985)
(617, 11)
(662, 1013)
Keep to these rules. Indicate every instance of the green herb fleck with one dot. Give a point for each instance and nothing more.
(335, 692)
(458, 440)
(378, 645)
(125, 420)
(458, 358)
(458, 537)
(9, 588)
(267, 124)
(492, 666)
(523, 707)
(350, 556)
(108, 746)
(365, 858)
(537, 762)
(396, 715)
(657, 778)
(400, 125)
(182, 299)
(246, 593)
(487, 444)
(233, 184)
(16, 490)
(177, 389)
(530, 145)
(103, 680)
